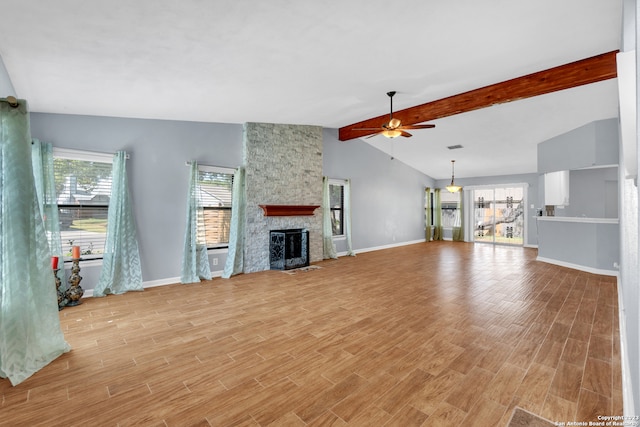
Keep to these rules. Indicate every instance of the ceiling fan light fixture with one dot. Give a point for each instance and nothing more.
(453, 188)
(391, 133)
(394, 123)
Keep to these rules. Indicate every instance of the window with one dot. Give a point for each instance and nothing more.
(429, 206)
(336, 205)
(450, 203)
(83, 189)
(216, 186)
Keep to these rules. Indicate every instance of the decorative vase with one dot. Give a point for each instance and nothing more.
(62, 297)
(75, 292)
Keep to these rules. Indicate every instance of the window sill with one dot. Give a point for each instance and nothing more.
(215, 251)
(93, 262)
(339, 237)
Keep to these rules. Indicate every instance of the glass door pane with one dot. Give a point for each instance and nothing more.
(499, 215)
(509, 218)
(483, 215)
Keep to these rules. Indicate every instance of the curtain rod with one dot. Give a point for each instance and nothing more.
(72, 153)
(222, 169)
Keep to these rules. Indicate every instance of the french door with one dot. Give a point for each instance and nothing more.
(498, 215)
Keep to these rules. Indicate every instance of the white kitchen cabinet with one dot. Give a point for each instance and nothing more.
(556, 188)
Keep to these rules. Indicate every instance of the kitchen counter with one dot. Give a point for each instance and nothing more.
(579, 219)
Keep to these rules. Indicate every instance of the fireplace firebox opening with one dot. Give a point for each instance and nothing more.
(288, 249)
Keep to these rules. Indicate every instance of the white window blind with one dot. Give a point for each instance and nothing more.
(215, 197)
(450, 203)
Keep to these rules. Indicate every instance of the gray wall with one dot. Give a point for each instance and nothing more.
(387, 195)
(594, 144)
(158, 176)
(593, 194)
(589, 245)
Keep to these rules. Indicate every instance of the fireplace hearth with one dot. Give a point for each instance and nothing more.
(288, 249)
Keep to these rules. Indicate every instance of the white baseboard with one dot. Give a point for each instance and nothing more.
(153, 283)
(378, 248)
(579, 267)
(160, 282)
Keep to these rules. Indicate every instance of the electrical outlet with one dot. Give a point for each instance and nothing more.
(215, 261)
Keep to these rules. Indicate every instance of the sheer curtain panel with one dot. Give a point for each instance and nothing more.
(458, 232)
(347, 216)
(437, 216)
(30, 334)
(235, 257)
(42, 161)
(121, 271)
(195, 261)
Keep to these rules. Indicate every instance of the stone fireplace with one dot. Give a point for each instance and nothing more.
(283, 165)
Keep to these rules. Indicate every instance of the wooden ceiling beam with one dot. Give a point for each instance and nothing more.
(590, 70)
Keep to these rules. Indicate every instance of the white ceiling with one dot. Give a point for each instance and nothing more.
(318, 62)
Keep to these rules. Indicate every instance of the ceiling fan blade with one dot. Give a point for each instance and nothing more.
(405, 134)
(376, 129)
(418, 127)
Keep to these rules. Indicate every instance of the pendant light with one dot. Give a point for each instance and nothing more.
(453, 188)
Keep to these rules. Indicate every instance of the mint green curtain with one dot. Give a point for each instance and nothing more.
(30, 333)
(42, 161)
(347, 216)
(235, 257)
(427, 215)
(328, 247)
(458, 232)
(121, 271)
(195, 261)
(437, 216)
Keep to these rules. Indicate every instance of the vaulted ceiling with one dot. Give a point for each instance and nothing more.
(322, 62)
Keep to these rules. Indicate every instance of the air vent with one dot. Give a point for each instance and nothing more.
(454, 147)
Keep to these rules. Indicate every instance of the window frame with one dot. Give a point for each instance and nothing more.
(86, 156)
(340, 183)
(443, 209)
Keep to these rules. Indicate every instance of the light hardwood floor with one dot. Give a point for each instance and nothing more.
(429, 334)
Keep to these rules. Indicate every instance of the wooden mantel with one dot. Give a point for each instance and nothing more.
(288, 210)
